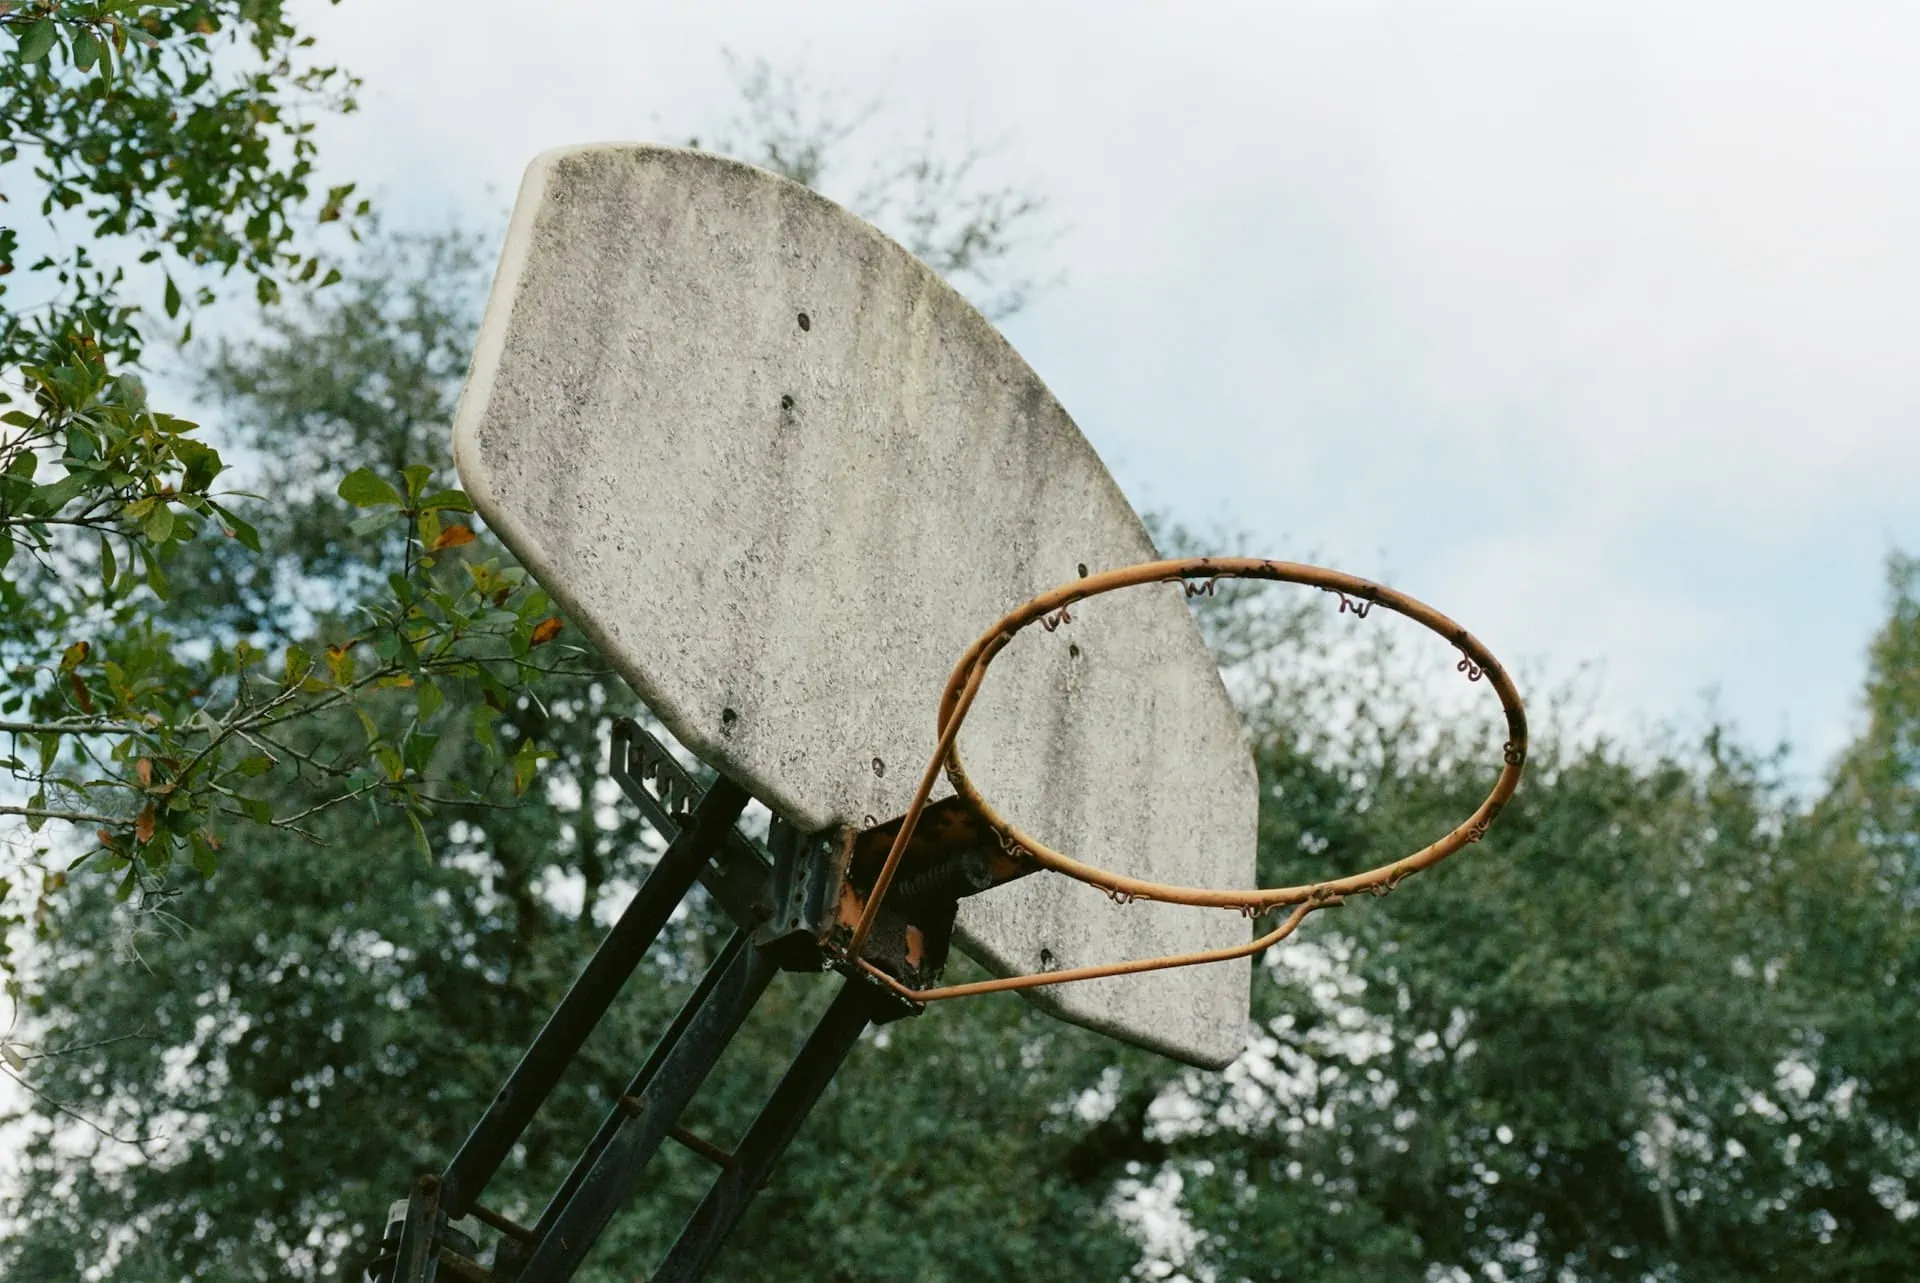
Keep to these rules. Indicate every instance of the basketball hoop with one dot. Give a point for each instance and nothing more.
(1195, 575)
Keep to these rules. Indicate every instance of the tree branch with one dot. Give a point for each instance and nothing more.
(71, 817)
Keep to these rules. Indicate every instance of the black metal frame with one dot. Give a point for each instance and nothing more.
(779, 901)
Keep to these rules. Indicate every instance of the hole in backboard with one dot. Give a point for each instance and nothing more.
(727, 718)
(879, 767)
(806, 322)
(1074, 650)
(786, 403)
(1083, 570)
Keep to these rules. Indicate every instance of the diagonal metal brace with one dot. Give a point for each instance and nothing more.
(859, 1003)
(789, 909)
(639, 1135)
(587, 1001)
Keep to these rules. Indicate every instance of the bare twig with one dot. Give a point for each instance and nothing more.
(138, 1142)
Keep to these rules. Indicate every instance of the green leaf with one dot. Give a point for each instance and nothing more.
(37, 43)
(483, 718)
(299, 664)
(159, 527)
(172, 298)
(373, 521)
(156, 578)
(455, 499)
(416, 475)
(51, 498)
(81, 445)
(108, 568)
(364, 488)
(86, 50)
(202, 464)
(258, 810)
(204, 859)
(428, 701)
(526, 764)
(420, 835)
(390, 761)
(37, 802)
(418, 749)
(239, 528)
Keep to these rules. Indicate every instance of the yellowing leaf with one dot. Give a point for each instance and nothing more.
(453, 537)
(144, 826)
(340, 663)
(546, 630)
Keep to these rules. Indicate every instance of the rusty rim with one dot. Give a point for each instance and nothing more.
(1195, 575)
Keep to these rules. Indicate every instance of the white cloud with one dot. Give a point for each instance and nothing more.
(1592, 323)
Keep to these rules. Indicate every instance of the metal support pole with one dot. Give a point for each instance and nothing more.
(417, 1258)
(773, 1130)
(637, 1088)
(652, 1114)
(587, 1001)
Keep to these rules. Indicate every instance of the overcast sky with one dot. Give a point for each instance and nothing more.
(1590, 324)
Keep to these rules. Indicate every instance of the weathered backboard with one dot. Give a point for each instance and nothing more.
(784, 476)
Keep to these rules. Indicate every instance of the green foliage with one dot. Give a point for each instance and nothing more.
(1651, 1029)
(163, 749)
(181, 128)
(180, 133)
(163, 142)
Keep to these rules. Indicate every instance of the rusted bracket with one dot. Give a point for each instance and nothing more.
(952, 854)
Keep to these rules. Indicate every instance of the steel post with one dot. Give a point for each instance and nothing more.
(417, 1257)
(636, 1089)
(772, 1131)
(588, 998)
(575, 1226)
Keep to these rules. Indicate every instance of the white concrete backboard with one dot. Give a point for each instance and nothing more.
(784, 475)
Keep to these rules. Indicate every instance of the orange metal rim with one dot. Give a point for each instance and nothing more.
(1355, 593)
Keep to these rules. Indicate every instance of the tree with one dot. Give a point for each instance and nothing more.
(1651, 1031)
(170, 144)
(167, 131)
(276, 1033)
